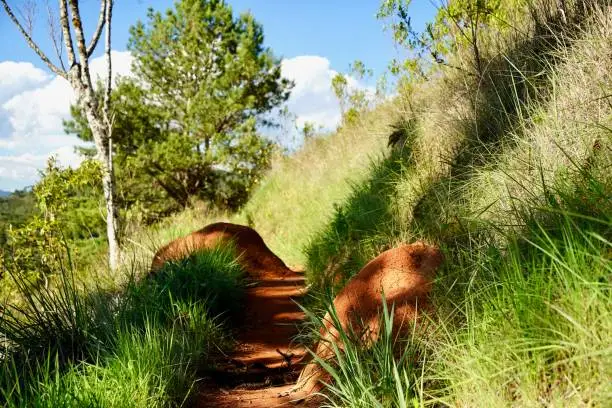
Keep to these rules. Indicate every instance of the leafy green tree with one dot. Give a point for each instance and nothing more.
(77, 73)
(187, 123)
(68, 208)
(135, 125)
(15, 210)
(72, 198)
(209, 80)
(309, 130)
(352, 100)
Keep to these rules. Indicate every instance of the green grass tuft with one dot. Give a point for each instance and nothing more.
(142, 346)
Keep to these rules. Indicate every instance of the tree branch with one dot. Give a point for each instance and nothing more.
(56, 37)
(31, 42)
(28, 13)
(102, 20)
(77, 24)
(108, 13)
(175, 193)
(66, 32)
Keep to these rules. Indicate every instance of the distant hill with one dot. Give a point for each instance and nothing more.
(4, 193)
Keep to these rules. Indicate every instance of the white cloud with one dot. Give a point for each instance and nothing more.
(40, 111)
(33, 104)
(32, 107)
(312, 99)
(16, 77)
(22, 170)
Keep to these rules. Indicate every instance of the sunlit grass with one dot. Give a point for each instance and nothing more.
(140, 346)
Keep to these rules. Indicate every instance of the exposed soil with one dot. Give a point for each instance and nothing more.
(404, 276)
(257, 259)
(264, 364)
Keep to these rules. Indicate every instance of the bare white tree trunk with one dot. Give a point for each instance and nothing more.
(103, 142)
(108, 175)
(79, 76)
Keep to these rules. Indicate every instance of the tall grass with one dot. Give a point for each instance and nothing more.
(535, 321)
(141, 346)
(526, 324)
(380, 375)
(297, 197)
(511, 177)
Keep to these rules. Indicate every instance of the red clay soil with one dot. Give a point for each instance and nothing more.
(257, 259)
(404, 275)
(263, 369)
(265, 362)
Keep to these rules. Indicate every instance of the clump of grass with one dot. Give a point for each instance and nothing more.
(526, 323)
(142, 346)
(534, 321)
(381, 374)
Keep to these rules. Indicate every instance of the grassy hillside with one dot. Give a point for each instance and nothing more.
(510, 175)
(299, 196)
(509, 172)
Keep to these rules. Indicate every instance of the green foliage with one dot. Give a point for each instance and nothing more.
(309, 130)
(68, 209)
(187, 125)
(381, 375)
(15, 210)
(213, 277)
(539, 307)
(134, 126)
(139, 347)
(214, 82)
(458, 24)
(353, 101)
(32, 250)
(69, 197)
(540, 311)
(337, 252)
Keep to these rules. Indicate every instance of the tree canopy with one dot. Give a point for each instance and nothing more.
(188, 121)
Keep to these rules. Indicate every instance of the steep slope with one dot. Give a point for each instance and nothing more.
(510, 176)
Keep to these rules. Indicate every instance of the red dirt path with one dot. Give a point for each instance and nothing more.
(265, 363)
(256, 373)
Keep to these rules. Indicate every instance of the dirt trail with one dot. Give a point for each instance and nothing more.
(256, 372)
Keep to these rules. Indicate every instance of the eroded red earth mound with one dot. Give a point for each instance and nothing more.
(404, 275)
(257, 259)
(265, 354)
(265, 361)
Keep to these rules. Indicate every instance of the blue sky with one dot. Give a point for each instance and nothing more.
(316, 38)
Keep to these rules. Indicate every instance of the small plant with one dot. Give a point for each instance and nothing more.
(67, 211)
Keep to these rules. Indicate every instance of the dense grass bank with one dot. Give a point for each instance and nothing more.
(509, 174)
(141, 346)
(528, 327)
